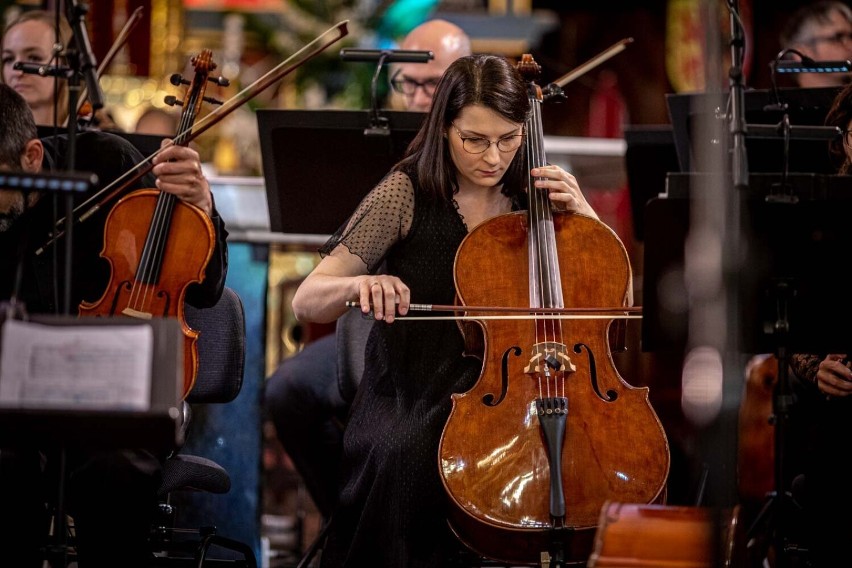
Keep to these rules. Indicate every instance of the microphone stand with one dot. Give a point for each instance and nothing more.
(81, 61)
(379, 124)
(84, 63)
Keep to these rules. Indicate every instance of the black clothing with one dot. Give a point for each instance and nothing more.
(307, 399)
(824, 494)
(303, 401)
(108, 156)
(112, 495)
(392, 509)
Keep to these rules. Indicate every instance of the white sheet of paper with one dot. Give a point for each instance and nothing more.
(76, 367)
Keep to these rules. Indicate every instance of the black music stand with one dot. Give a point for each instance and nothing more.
(319, 164)
(788, 306)
(147, 144)
(56, 429)
(805, 107)
(649, 156)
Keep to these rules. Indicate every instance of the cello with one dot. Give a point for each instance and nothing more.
(550, 431)
(157, 245)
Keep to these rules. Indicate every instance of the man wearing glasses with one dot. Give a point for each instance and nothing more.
(823, 32)
(416, 82)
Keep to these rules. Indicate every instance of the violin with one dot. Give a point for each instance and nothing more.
(550, 431)
(119, 186)
(157, 245)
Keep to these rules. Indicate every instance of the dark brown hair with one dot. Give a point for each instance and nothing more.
(486, 80)
(840, 114)
(17, 127)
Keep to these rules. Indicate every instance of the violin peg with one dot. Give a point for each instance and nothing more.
(172, 100)
(211, 100)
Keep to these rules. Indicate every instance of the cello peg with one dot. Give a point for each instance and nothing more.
(172, 100)
(221, 81)
(177, 80)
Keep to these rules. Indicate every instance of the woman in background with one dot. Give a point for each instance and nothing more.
(31, 38)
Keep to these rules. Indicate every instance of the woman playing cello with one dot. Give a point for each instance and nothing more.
(464, 167)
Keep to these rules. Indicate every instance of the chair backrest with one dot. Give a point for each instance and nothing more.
(221, 349)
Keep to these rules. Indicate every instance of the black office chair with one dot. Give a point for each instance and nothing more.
(221, 355)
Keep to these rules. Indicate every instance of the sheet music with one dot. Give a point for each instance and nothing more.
(76, 367)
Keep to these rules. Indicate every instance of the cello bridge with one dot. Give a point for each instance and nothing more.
(548, 357)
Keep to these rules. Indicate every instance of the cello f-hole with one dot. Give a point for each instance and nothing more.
(488, 399)
(611, 394)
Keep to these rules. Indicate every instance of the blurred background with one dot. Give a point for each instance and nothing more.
(587, 133)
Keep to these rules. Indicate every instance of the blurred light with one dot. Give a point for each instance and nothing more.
(701, 397)
(403, 16)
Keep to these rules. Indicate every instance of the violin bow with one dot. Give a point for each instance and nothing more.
(584, 68)
(305, 54)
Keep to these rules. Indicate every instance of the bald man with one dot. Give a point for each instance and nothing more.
(416, 82)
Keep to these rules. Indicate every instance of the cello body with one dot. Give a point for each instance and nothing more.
(494, 459)
(756, 448)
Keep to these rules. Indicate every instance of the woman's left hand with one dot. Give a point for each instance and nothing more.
(564, 190)
(178, 171)
(834, 378)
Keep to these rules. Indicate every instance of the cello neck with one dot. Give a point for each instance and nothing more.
(545, 280)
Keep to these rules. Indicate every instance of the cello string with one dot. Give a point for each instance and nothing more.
(533, 317)
(536, 219)
(533, 229)
(550, 292)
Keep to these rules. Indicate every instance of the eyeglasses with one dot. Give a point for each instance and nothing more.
(839, 38)
(408, 86)
(477, 145)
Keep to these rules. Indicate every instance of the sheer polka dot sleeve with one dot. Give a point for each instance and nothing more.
(382, 219)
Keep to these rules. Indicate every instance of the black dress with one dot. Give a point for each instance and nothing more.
(392, 508)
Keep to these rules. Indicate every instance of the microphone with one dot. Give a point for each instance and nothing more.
(386, 55)
(808, 65)
(41, 69)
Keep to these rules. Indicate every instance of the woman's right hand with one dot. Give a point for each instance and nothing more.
(385, 295)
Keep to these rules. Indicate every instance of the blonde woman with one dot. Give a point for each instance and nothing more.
(31, 38)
